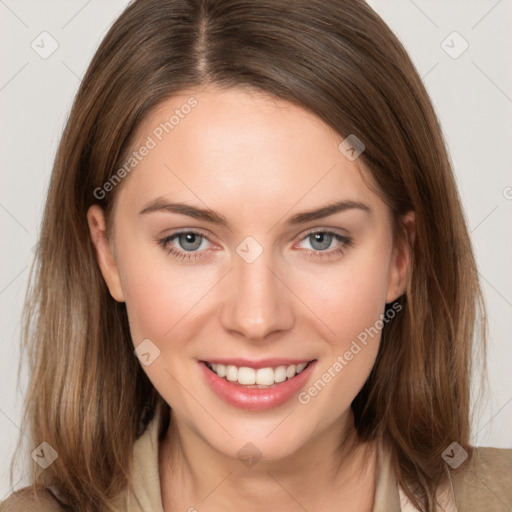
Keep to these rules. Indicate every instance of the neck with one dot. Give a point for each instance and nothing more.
(331, 469)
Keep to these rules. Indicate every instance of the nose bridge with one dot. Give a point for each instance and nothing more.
(258, 301)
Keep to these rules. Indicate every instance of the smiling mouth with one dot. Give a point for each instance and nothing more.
(257, 378)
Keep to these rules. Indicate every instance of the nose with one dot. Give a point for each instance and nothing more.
(258, 302)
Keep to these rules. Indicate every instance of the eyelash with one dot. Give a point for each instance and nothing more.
(194, 255)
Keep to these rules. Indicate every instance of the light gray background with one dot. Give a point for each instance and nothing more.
(472, 95)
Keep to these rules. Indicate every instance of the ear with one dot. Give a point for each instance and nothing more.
(401, 258)
(104, 253)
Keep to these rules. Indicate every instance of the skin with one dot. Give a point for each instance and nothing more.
(257, 160)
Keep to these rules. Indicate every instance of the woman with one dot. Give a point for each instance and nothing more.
(255, 287)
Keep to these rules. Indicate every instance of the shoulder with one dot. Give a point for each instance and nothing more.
(484, 483)
(25, 500)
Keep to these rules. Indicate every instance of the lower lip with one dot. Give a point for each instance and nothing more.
(255, 399)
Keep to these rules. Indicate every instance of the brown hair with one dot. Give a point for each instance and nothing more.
(337, 59)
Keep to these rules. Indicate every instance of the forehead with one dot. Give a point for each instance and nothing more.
(241, 149)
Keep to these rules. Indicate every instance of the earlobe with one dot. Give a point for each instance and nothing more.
(104, 254)
(402, 257)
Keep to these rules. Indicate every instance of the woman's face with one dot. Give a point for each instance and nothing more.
(255, 279)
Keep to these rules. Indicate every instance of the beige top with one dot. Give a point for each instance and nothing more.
(485, 485)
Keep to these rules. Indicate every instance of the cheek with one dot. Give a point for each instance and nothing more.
(350, 296)
(161, 298)
(351, 304)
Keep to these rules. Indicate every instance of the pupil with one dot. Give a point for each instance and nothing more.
(192, 239)
(323, 239)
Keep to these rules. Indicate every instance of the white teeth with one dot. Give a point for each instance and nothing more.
(301, 367)
(280, 374)
(263, 376)
(260, 378)
(220, 369)
(231, 373)
(247, 376)
(290, 371)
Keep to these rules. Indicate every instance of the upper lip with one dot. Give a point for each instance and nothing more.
(262, 363)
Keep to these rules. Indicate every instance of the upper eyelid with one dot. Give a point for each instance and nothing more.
(195, 231)
(326, 230)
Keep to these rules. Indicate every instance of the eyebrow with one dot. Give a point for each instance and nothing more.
(161, 205)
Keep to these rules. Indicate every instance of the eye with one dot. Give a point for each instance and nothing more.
(184, 244)
(191, 245)
(320, 241)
